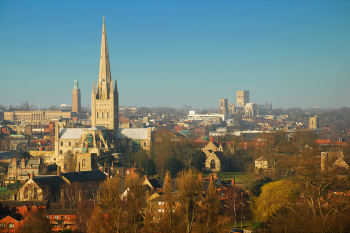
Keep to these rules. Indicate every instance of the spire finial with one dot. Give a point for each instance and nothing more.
(103, 18)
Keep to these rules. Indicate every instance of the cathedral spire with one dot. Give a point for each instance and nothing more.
(105, 72)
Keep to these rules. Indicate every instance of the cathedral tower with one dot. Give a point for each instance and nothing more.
(104, 98)
(76, 99)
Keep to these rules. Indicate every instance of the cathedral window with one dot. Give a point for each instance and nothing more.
(25, 193)
(101, 114)
(96, 114)
(212, 164)
(83, 164)
(107, 114)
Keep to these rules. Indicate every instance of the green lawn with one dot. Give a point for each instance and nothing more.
(240, 177)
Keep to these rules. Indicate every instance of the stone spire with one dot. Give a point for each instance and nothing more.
(104, 76)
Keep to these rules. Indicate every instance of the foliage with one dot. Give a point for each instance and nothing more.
(15, 185)
(256, 188)
(106, 157)
(173, 165)
(52, 168)
(274, 196)
(150, 167)
(36, 222)
(197, 159)
(189, 195)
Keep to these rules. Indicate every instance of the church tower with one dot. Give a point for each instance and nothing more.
(104, 98)
(76, 99)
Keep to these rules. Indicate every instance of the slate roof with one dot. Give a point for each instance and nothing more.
(84, 176)
(53, 182)
(133, 133)
(71, 133)
(24, 203)
(155, 183)
(261, 158)
(61, 212)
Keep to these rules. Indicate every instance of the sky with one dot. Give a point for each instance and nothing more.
(175, 53)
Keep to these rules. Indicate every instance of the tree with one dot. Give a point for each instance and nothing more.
(169, 221)
(173, 165)
(256, 188)
(209, 214)
(197, 159)
(189, 196)
(274, 196)
(150, 167)
(36, 222)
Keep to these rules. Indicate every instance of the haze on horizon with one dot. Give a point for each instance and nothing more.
(175, 53)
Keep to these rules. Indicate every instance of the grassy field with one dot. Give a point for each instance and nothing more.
(240, 177)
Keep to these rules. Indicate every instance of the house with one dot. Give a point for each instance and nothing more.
(262, 163)
(62, 219)
(152, 184)
(11, 223)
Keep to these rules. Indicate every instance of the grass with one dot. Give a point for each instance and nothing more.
(239, 176)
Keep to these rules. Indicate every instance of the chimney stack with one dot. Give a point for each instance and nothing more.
(31, 175)
(233, 182)
(200, 176)
(23, 162)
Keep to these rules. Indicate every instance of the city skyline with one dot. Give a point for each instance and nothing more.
(293, 54)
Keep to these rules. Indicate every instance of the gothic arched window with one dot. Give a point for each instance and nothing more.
(212, 164)
(83, 163)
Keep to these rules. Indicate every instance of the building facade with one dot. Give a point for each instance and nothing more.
(242, 97)
(223, 106)
(104, 98)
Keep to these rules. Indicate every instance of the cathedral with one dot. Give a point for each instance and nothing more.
(104, 98)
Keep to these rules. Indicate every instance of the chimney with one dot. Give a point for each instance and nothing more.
(108, 173)
(31, 175)
(145, 176)
(105, 164)
(112, 165)
(58, 171)
(200, 176)
(23, 162)
(233, 182)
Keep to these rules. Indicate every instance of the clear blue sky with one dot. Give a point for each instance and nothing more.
(171, 53)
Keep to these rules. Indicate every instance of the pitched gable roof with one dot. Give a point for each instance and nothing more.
(84, 176)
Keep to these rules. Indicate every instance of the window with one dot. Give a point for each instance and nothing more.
(61, 152)
(48, 216)
(144, 143)
(101, 114)
(69, 143)
(107, 114)
(96, 114)
(11, 225)
(212, 164)
(61, 143)
(25, 193)
(35, 193)
(2, 225)
(56, 217)
(83, 164)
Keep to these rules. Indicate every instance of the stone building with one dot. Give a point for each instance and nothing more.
(76, 99)
(313, 122)
(223, 106)
(21, 169)
(135, 139)
(104, 98)
(214, 161)
(242, 97)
